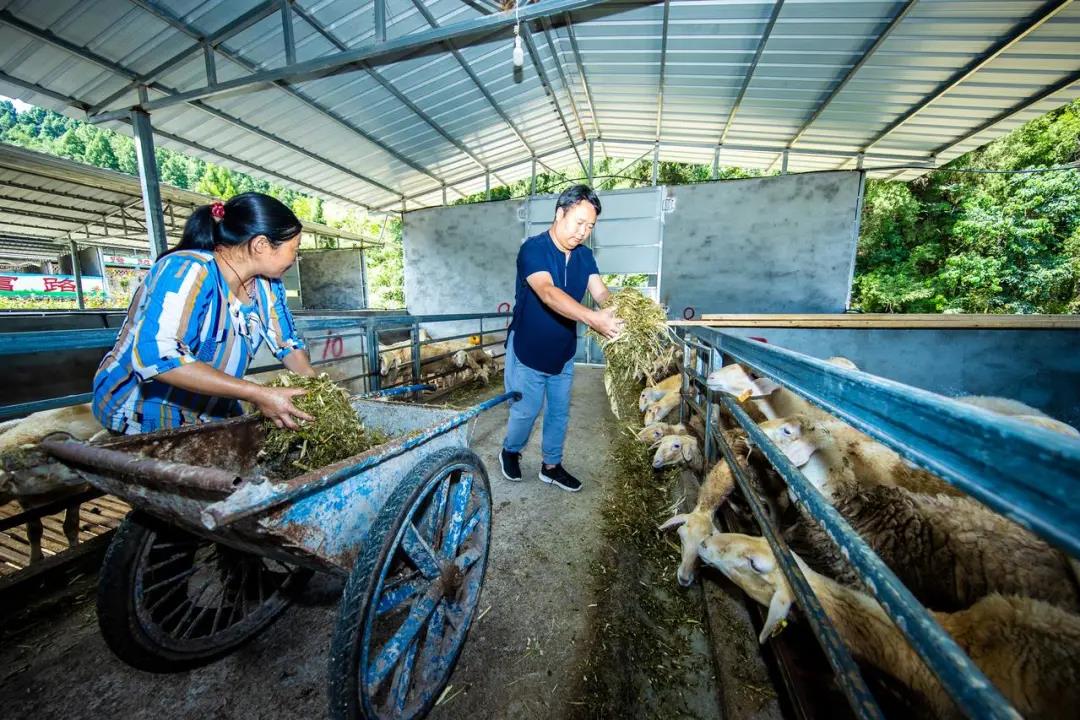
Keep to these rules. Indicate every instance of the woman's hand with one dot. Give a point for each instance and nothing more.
(276, 404)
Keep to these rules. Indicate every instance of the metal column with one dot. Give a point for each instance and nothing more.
(148, 180)
(783, 163)
(532, 180)
(592, 142)
(656, 164)
(76, 268)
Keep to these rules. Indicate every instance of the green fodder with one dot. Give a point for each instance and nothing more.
(639, 663)
(335, 434)
(633, 356)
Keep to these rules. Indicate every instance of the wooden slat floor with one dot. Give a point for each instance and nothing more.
(95, 518)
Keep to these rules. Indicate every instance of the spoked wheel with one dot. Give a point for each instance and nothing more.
(413, 592)
(169, 600)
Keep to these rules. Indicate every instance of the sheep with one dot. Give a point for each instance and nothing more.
(651, 434)
(662, 407)
(949, 551)
(871, 462)
(768, 397)
(697, 525)
(654, 392)
(674, 449)
(1029, 650)
(1049, 423)
(30, 477)
(999, 405)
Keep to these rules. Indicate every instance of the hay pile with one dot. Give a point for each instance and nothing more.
(645, 341)
(335, 434)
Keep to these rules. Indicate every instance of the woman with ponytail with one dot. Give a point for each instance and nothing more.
(199, 316)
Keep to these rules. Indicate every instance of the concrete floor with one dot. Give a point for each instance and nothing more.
(520, 660)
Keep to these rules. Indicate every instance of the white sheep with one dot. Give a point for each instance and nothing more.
(675, 449)
(654, 392)
(33, 479)
(651, 434)
(661, 408)
(697, 525)
(949, 551)
(768, 397)
(1029, 650)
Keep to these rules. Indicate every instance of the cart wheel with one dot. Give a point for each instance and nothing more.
(169, 600)
(413, 592)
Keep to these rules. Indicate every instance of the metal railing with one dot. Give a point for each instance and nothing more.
(320, 333)
(1026, 473)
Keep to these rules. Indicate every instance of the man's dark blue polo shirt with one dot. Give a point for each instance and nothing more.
(543, 339)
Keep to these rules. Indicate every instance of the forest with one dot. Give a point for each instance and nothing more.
(994, 231)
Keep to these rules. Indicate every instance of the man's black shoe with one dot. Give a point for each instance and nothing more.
(510, 463)
(558, 476)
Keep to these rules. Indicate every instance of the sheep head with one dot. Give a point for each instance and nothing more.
(652, 434)
(794, 435)
(660, 409)
(842, 362)
(649, 396)
(735, 380)
(672, 449)
(749, 563)
(693, 528)
(1048, 423)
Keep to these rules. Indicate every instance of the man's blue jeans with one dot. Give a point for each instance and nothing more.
(535, 387)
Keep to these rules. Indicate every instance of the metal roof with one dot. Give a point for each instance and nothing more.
(307, 92)
(46, 202)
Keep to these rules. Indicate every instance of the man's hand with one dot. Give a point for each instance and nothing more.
(605, 323)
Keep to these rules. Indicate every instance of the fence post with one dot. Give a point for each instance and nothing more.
(416, 369)
(374, 359)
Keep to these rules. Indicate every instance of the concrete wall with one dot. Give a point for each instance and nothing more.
(1038, 367)
(767, 245)
(332, 280)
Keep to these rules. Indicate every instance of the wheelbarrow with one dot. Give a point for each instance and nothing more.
(215, 549)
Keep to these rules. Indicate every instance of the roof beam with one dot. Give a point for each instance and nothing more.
(423, 10)
(557, 57)
(823, 104)
(526, 35)
(287, 32)
(1063, 84)
(110, 66)
(774, 149)
(165, 14)
(584, 80)
(389, 87)
(750, 71)
(376, 52)
(35, 88)
(252, 16)
(663, 68)
(1021, 31)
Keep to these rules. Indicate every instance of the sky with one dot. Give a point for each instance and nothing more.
(19, 104)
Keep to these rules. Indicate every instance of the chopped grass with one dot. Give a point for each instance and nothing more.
(335, 434)
(645, 341)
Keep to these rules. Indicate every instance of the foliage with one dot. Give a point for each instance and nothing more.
(979, 242)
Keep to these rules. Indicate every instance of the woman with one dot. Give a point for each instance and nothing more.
(198, 318)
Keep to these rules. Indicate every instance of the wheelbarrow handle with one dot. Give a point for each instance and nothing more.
(391, 392)
(248, 501)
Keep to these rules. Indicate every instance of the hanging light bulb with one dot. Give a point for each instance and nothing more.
(519, 54)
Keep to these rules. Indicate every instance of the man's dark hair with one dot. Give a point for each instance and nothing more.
(571, 196)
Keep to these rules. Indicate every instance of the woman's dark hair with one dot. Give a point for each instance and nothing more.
(241, 218)
(578, 193)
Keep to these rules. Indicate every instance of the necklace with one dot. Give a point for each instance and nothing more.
(248, 287)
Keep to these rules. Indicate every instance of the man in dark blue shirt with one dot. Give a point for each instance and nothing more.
(554, 269)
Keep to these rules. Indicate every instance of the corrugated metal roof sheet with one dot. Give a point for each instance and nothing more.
(972, 70)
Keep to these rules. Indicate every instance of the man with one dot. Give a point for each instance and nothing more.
(554, 269)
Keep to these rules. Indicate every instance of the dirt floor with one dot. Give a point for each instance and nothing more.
(523, 658)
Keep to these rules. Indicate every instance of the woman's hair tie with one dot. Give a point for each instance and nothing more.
(217, 209)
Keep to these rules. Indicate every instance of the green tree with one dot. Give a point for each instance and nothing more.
(72, 145)
(100, 153)
(217, 182)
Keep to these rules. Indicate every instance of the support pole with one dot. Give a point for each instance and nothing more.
(716, 163)
(380, 20)
(148, 180)
(364, 276)
(532, 180)
(592, 143)
(655, 164)
(287, 32)
(444, 195)
(487, 186)
(783, 163)
(76, 268)
(859, 161)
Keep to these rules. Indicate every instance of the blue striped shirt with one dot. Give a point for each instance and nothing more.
(184, 312)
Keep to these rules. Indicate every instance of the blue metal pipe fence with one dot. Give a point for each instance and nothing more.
(989, 457)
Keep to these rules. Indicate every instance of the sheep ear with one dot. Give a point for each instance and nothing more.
(744, 395)
(674, 522)
(779, 607)
(766, 386)
(799, 452)
(689, 450)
